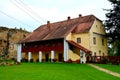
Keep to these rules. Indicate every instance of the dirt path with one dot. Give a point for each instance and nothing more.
(105, 70)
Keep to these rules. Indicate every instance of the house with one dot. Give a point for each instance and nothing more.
(76, 39)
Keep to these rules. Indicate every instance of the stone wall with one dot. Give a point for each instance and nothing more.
(16, 35)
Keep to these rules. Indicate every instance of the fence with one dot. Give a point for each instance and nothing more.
(106, 59)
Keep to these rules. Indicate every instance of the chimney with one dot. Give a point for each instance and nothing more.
(80, 15)
(48, 24)
(68, 17)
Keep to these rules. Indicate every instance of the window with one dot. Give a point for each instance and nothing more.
(99, 52)
(103, 42)
(96, 26)
(94, 40)
(103, 54)
(0, 41)
(78, 40)
(94, 53)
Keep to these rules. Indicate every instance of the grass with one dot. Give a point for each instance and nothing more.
(114, 68)
(52, 71)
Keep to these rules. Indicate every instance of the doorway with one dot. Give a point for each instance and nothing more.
(46, 57)
(60, 57)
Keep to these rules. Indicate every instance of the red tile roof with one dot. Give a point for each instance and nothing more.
(78, 46)
(61, 29)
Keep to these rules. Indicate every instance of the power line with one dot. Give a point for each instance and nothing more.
(13, 18)
(30, 10)
(24, 11)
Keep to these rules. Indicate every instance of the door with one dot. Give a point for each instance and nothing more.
(87, 61)
(46, 57)
(60, 57)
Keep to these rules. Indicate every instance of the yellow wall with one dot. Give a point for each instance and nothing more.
(84, 39)
(74, 55)
(35, 56)
(84, 42)
(99, 29)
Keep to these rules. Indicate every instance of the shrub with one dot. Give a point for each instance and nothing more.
(31, 60)
(54, 60)
(18, 63)
(49, 59)
(24, 60)
(69, 61)
(78, 61)
(37, 60)
(43, 60)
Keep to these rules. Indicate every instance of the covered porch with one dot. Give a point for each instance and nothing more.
(41, 51)
(52, 51)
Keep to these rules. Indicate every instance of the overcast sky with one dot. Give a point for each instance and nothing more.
(30, 14)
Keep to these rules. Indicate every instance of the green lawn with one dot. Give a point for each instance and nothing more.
(52, 71)
(115, 68)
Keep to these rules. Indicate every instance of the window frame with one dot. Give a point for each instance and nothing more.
(103, 42)
(94, 40)
(78, 40)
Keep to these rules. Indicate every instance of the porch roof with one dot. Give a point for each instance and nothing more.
(78, 46)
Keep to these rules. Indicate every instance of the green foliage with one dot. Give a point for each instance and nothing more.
(113, 20)
(52, 71)
(6, 62)
(114, 50)
(112, 25)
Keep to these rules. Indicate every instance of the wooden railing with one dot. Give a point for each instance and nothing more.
(105, 59)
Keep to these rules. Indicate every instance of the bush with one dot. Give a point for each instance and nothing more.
(37, 60)
(43, 60)
(78, 61)
(18, 63)
(69, 61)
(54, 60)
(49, 59)
(31, 60)
(24, 60)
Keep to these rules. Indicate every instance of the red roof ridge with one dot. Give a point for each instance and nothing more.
(58, 22)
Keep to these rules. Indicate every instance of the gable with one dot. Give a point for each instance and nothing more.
(97, 27)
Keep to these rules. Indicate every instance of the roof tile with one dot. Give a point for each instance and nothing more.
(61, 29)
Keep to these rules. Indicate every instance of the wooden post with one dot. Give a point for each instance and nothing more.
(40, 56)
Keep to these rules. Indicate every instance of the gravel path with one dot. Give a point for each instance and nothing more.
(105, 70)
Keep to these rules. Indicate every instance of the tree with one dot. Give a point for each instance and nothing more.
(112, 25)
(115, 49)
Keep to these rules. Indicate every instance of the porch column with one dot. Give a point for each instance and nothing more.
(65, 50)
(40, 56)
(29, 56)
(52, 55)
(19, 55)
(81, 57)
